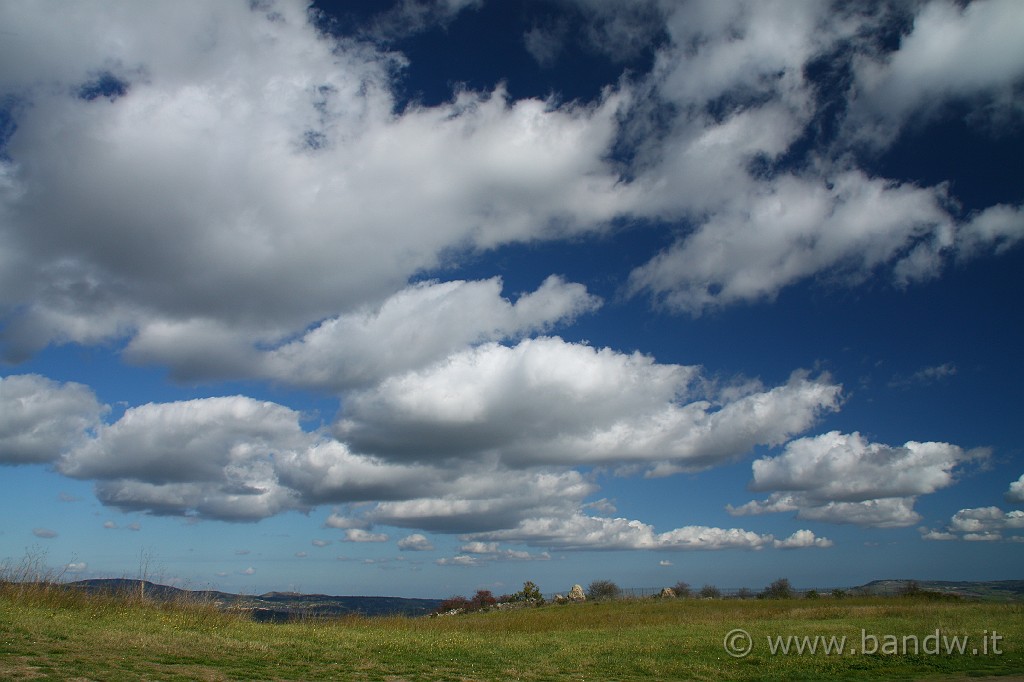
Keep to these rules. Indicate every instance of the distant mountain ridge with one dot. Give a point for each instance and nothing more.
(285, 606)
(272, 606)
(988, 590)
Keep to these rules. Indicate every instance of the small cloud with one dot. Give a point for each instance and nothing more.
(1016, 491)
(248, 571)
(384, 563)
(241, 552)
(68, 497)
(980, 524)
(602, 506)
(109, 524)
(925, 376)
(134, 526)
(44, 533)
(460, 560)
(664, 562)
(76, 567)
(802, 539)
(360, 535)
(936, 535)
(301, 555)
(544, 43)
(417, 542)
(344, 522)
(321, 543)
(987, 536)
(476, 553)
(480, 548)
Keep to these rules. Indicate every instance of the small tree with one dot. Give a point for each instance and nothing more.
(838, 593)
(602, 589)
(710, 592)
(454, 603)
(530, 593)
(483, 599)
(811, 594)
(682, 590)
(744, 593)
(780, 589)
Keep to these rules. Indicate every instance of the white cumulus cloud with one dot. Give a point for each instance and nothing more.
(981, 524)
(40, 419)
(417, 542)
(224, 164)
(738, 76)
(801, 539)
(547, 401)
(843, 478)
(360, 535)
(953, 52)
(581, 532)
(1016, 491)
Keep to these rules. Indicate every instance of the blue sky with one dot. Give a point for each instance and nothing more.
(422, 297)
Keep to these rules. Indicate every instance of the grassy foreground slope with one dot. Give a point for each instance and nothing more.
(59, 634)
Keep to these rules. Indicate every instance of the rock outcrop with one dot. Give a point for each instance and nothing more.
(577, 594)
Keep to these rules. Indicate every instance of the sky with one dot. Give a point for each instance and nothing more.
(421, 297)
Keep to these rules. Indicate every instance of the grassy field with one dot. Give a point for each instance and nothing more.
(50, 632)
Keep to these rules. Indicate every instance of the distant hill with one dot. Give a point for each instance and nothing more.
(990, 590)
(272, 606)
(285, 606)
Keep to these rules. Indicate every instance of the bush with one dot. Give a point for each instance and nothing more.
(744, 593)
(838, 593)
(710, 592)
(682, 590)
(811, 594)
(780, 589)
(453, 603)
(602, 589)
(529, 594)
(482, 600)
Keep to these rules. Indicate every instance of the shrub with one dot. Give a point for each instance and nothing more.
(482, 600)
(780, 589)
(838, 593)
(811, 594)
(453, 603)
(530, 593)
(744, 593)
(682, 590)
(602, 589)
(710, 592)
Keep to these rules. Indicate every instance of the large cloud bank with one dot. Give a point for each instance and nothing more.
(226, 190)
(228, 172)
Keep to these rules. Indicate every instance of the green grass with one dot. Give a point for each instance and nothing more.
(52, 632)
